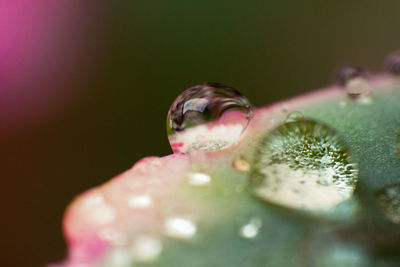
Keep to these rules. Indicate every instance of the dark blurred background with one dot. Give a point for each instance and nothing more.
(85, 85)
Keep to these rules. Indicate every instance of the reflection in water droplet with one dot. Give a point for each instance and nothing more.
(180, 228)
(294, 116)
(305, 165)
(389, 202)
(354, 79)
(392, 63)
(250, 229)
(146, 248)
(199, 179)
(207, 117)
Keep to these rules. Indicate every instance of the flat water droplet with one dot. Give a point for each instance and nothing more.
(392, 63)
(146, 248)
(294, 116)
(304, 165)
(179, 228)
(207, 117)
(241, 164)
(250, 229)
(389, 202)
(354, 80)
(199, 179)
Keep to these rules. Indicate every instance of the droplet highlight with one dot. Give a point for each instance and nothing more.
(389, 202)
(250, 230)
(303, 165)
(354, 80)
(146, 248)
(179, 228)
(392, 63)
(140, 201)
(199, 179)
(207, 117)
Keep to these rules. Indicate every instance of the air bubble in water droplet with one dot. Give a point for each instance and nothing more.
(354, 80)
(207, 117)
(389, 202)
(392, 63)
(303, 165)
(294, 116)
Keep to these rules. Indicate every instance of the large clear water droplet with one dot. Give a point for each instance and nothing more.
(354, 80)
(389, 202)
(207, 117)
(304, 165)
(392, 63)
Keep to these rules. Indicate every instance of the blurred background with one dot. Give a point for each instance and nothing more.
(85, 86)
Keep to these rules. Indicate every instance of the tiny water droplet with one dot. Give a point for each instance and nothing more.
(250, 229)
(146, 248)
(304, 165)
(96, 210)
(392, 63)
(140, 201)
(294, 116)
(389, 202)
(199, 179)
(207, 117)
(118, 257)
(241, 164)
(354, 80)
(180, 228)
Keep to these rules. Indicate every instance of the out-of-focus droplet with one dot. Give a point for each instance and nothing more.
(389, 202)
(294, 116)
(119, 257)
(180, 228)
(146, 248)
(199, 179)
(392, 63)
(96, 210)
(250, 229)
(140, 201)
(207, 117)
(241, 164)
(354, 80)
(303, 165)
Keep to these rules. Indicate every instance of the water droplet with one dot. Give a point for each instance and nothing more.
(118, 258)
(199, 179)
(392, 63)
(241, 164)
(96, 210)
(207, 117)
(140, 201)
(389, 202)
(250, 229)
(354, 79)
(112, 235)
(180, 228)
(304, 165)
(294, 116)
(146, 248)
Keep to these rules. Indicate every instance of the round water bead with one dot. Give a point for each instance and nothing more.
(389, 202)
(303, 164)
(207, 117)
(354, 80)
(392, 63)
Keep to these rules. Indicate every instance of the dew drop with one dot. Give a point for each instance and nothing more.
(303, 165)
(294, 116)
(199, 179)
(119, 257)
(146, 248)
(392, 63)
(241, 164)
(250, 229)
(354, 80)
(97, 211)
(389, 202)
(207, 117)
(179, 228)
